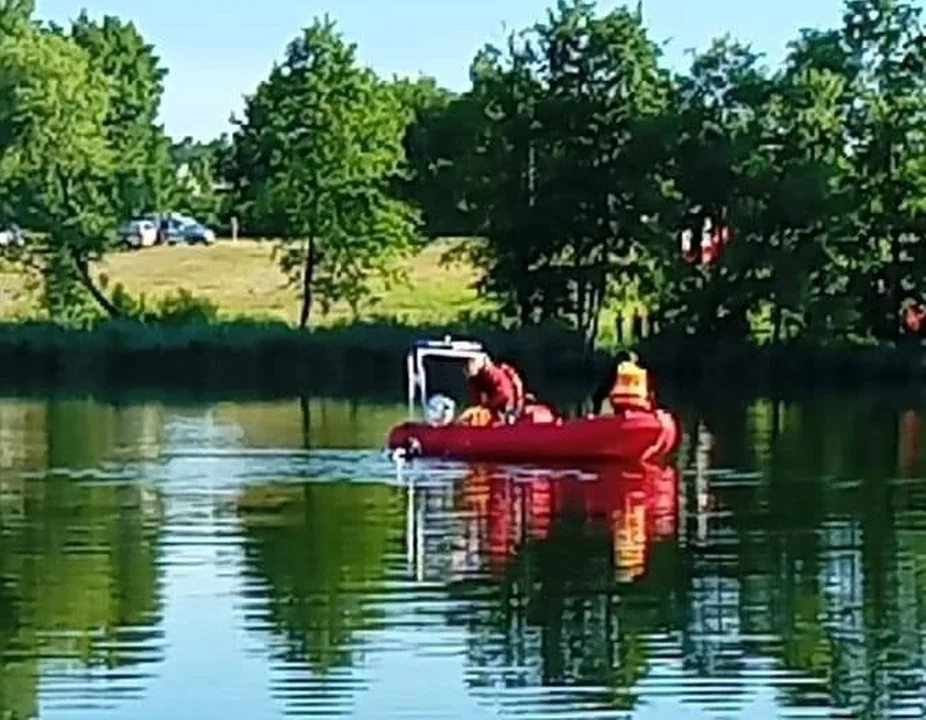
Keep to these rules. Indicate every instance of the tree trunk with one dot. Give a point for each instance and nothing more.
(776, 323)
(596, 294)
(896, 297)
(83, 269)
(308, 274)
(581, 297)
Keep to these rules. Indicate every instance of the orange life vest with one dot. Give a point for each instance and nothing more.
(631, 388)
(476, 416)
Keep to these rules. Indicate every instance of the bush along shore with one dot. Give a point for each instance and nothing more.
(719, 365)
(358, 359)
(367, 359)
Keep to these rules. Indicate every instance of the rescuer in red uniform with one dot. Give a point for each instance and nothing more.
(496, 387)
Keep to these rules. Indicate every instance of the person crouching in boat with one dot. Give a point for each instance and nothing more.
(495, 389)
(626, 386)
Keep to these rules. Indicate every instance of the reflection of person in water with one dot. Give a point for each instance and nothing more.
(703, 451)
(909, 441)
(503, 513)
(629, 534)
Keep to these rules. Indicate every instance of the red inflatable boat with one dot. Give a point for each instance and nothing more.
(631, 437)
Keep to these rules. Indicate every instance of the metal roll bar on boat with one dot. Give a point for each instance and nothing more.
(446, 348)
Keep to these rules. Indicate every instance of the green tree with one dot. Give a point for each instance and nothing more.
(500, 173)
(719, 102)
(15, 13)
(568, 170)
(143, 175)
(606, 102)
(884, 43)
(804, 200)
(56, 166)
(316, 156)
(442, 129)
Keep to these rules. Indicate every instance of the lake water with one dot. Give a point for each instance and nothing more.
(261, 560)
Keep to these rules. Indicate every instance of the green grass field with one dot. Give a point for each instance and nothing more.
(243, 280)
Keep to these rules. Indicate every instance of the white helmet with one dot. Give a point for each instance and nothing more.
(440, 410)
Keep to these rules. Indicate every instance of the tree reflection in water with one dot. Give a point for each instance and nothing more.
(80, 595)
(316, 553)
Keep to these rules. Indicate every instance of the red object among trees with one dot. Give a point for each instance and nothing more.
(913, 318)
(711, 243)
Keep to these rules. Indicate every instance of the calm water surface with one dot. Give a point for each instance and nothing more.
(263, 560)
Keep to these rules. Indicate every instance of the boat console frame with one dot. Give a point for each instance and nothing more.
(422, 349)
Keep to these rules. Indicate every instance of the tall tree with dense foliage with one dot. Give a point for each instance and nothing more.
(803, 202)
(438, 135)
(500, 172)
(14, 13)
(143, 178)
(81, 148)
(719, 104)
(56, 165)
(607, 101)
(316, 158)
(773, 148)
(569, 168)
(886, 51)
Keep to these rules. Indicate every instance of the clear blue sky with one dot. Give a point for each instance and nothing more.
(218, 50)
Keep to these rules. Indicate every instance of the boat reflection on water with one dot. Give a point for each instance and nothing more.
(505, 509)
(489, 514)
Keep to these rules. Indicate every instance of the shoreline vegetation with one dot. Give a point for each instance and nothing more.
(237, 334)
(751, 227)
(367, 359)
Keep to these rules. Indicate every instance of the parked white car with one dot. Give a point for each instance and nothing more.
(12, 236)
(139, 233)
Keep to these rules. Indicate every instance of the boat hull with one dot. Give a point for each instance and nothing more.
(629, 437)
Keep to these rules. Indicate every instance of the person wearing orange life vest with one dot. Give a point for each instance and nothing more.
(626, 386)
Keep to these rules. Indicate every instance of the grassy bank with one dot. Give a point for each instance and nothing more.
(255, 349)
(243, 280)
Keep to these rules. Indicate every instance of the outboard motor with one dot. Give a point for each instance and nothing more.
(440, 410)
